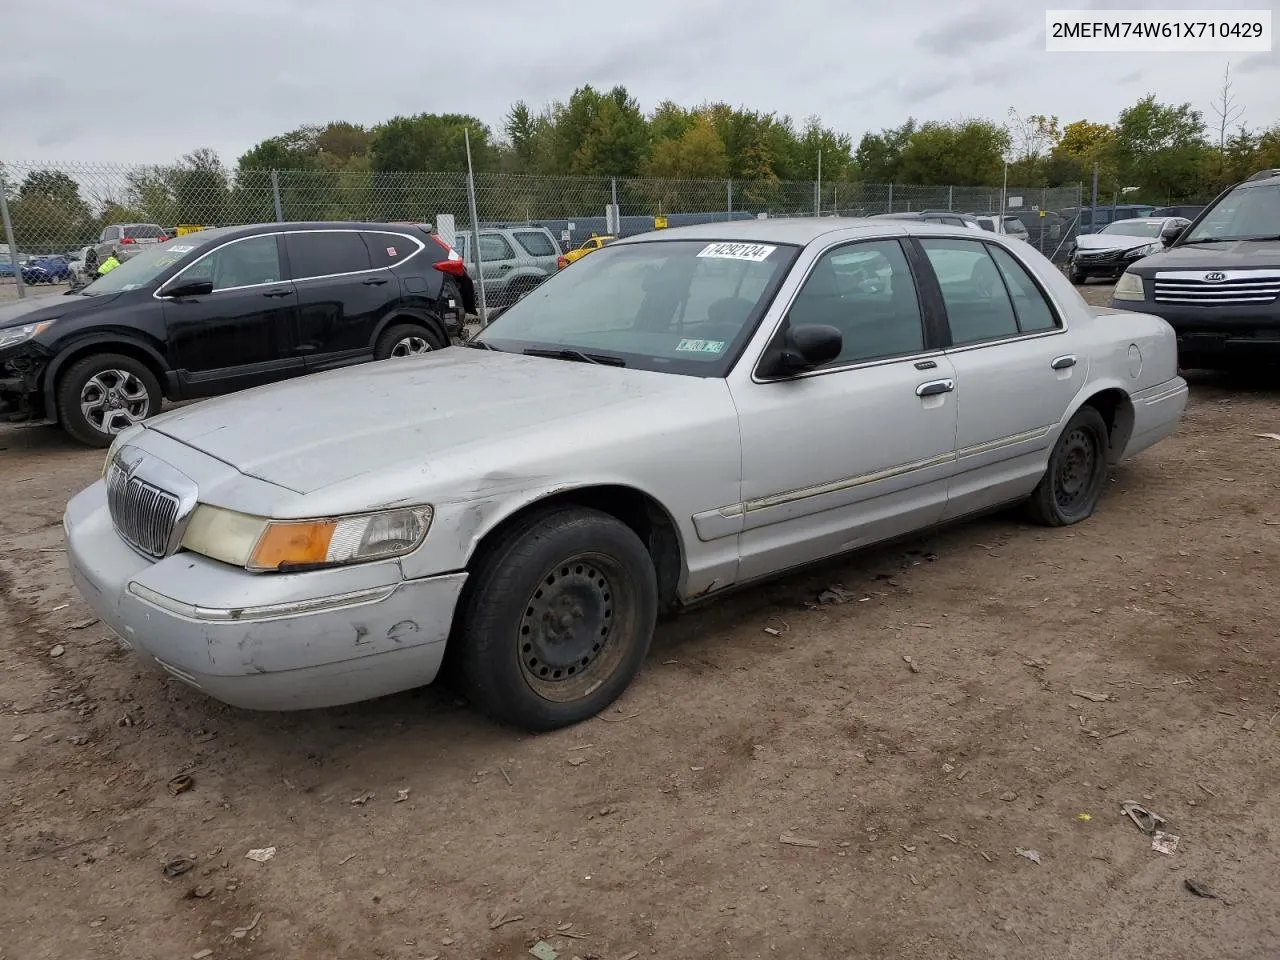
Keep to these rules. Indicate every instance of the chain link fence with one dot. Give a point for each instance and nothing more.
(60, 217)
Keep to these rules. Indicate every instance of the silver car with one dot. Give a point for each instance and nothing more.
(515, 259)
(682, 413)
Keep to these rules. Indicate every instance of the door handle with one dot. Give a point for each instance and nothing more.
(277, 293)
(374, 282)
(1063, 363)
(935, 387)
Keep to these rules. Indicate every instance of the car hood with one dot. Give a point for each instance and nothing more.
(1224, 255)
(1111, 241)
(316, 431)
(35, 309)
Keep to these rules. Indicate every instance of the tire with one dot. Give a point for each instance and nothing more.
(1075, 276)
(518, 666)
(102, 394)
(406, 340)
(1071, 486)
(91, 263)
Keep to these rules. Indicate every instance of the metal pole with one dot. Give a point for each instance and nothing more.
(890, 210)
(1093, 214)
(475, 229)
(617, 214)
(817, 189)
(951, 196)
(8, 238)
(728, 189)
(275, 195)
(1004, 193)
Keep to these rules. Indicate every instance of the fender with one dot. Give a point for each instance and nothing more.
(425, 317)
(106, 341)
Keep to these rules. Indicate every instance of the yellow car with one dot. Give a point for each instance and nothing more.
(573, 256)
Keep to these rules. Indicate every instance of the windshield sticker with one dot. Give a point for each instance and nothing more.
(180, 248)
(700, 346)
(754, 252)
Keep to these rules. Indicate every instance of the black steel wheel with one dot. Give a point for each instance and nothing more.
(556, 619)
(1072, 484)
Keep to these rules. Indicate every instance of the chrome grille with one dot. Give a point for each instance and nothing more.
(1231, 287)
(143, 514)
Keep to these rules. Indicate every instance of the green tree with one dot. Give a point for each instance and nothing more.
(432, 143)
(879, 155)
(1082, 144)
(1160, 148)
(961, 153)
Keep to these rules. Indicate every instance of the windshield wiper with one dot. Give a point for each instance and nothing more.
(568, 353)
(481, 345)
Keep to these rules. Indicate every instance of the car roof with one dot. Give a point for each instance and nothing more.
(252, 229)
(1142, 220)
(800, 231)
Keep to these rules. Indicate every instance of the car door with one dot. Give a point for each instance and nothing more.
(341, 297)
(1016, 370)
(242, 334)
(860, 449)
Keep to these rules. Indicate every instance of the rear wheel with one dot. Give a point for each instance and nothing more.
(99, 396)
(557, 619)
(1072, 485)
(406, 340)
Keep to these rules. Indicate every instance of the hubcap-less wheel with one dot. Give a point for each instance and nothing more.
(113, 400)
(1077, 465)
(566, 637)
(410, 346)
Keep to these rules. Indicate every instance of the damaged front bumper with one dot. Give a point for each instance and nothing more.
(22, 386)
(263, 641)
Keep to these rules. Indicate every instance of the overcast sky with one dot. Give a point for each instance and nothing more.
(148, 80)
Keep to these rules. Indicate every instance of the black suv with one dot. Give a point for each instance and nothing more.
(1218, 282)
(224, 309)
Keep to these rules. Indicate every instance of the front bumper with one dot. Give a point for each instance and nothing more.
(1237, 333)
(263, 642)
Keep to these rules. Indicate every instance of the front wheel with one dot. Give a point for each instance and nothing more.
(1072, 485)
(102, 395)
(557, 619)
(1075, 276)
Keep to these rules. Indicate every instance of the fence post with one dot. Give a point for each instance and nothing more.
(8, 238)
(275, 194)
(617, 214)
(951, 193)
(475, 230)
(890, 210)
(728, 189)
(1093, 212)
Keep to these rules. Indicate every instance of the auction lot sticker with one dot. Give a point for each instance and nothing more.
(754, 252)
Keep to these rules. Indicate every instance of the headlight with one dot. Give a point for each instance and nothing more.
(1146, 251)
(259, 544)
(1129, 287)
(15, 335)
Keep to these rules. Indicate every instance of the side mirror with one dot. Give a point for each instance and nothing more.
(803, 348)
(1170, 234)
(188, 288)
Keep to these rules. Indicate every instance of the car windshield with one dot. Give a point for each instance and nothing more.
(145, 268)
(681, 306)
(1133, 228)
(1246, 213)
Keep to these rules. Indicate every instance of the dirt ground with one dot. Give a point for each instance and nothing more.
(907, 789)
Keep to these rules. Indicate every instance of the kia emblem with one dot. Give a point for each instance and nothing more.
(1214, 277)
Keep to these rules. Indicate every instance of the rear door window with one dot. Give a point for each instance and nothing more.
(977, 302)
(493, 246)
(389, 249)
(325, 253)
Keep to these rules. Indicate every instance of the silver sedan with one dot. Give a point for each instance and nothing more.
(681, 414)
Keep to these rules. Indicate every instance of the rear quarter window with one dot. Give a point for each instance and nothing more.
(536, 243)
(388, 249)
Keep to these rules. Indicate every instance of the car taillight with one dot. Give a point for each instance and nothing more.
(162, 239)
(561, 262)
(128, 240)
(452, 264)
